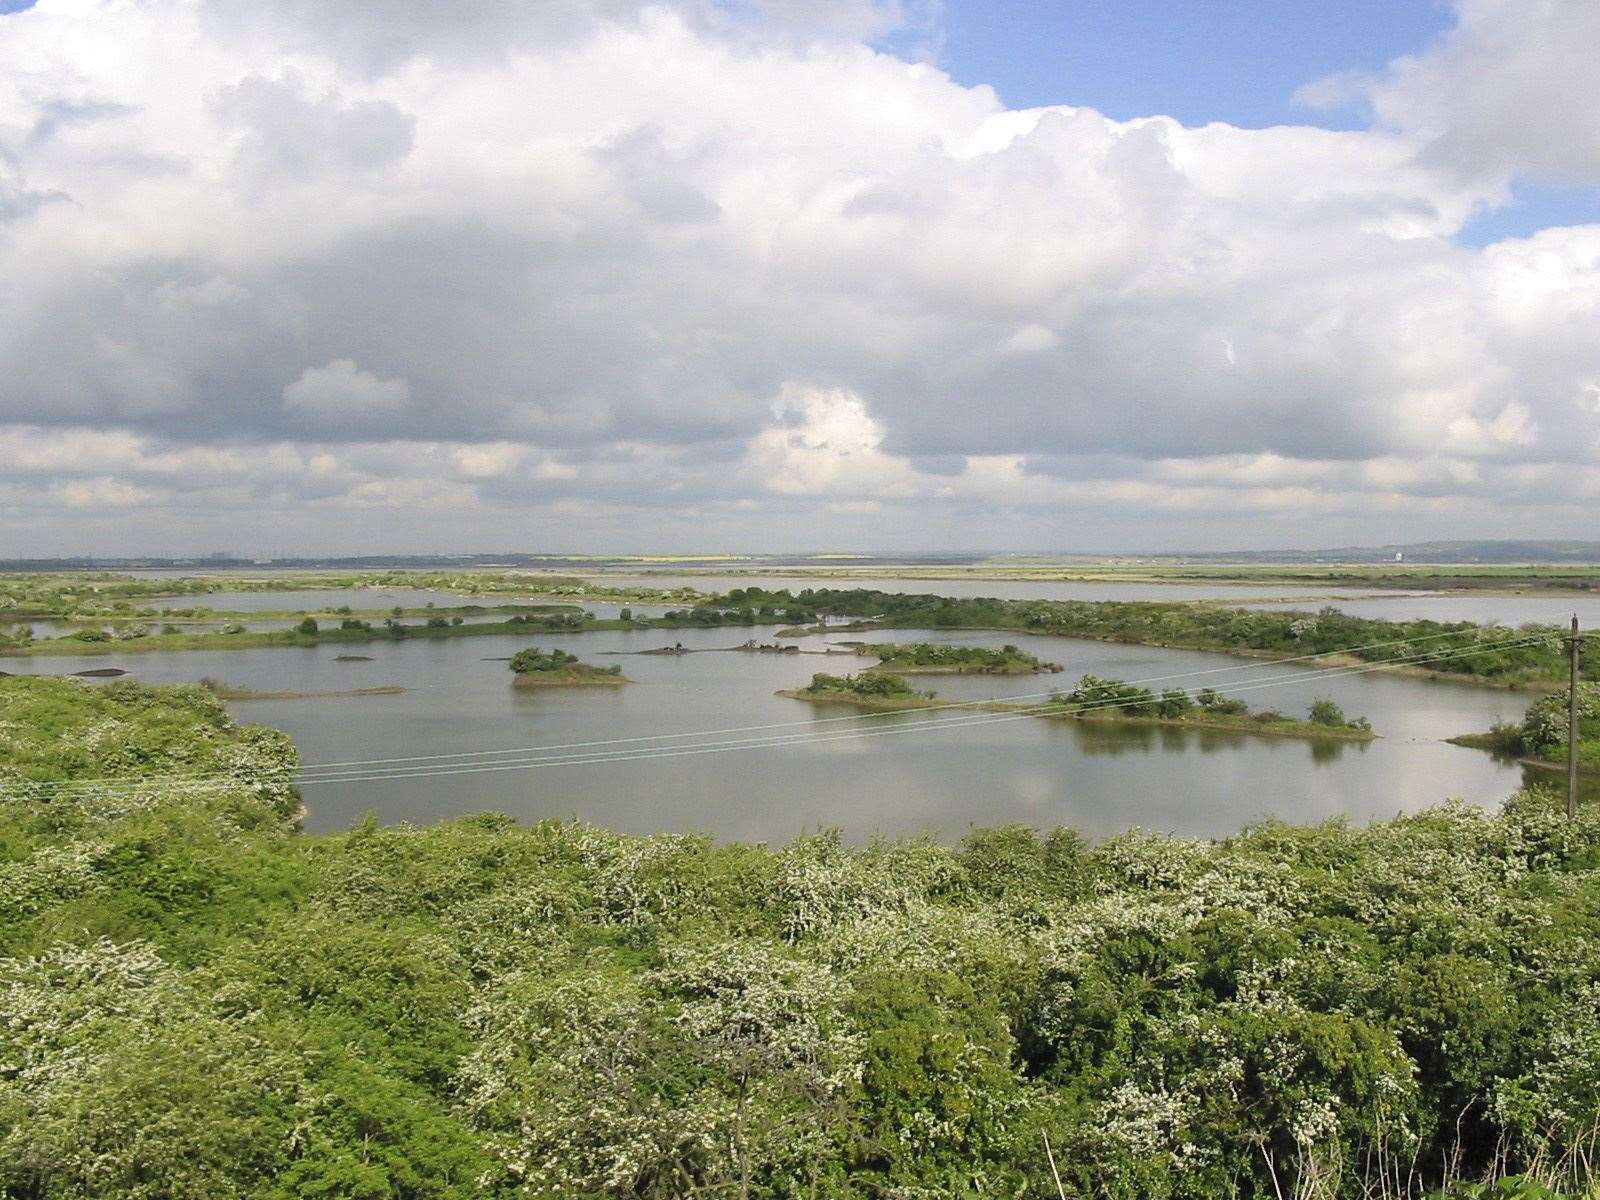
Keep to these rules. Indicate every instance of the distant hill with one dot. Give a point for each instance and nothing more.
(1504, 551)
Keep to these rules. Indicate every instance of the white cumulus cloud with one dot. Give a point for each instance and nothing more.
(501, 260)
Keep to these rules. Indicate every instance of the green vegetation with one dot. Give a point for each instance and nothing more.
(490, 583)
(557, 668)
(933, 658)
(1113, 700)
(874, 685)
(1096, 699)
(350, 630)
(1541, 735)
(86, 594)
(1458, 650)
(1532, 656)
(199, 1002)
(1304, 576)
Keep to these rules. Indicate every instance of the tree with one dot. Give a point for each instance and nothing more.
(1326, 712)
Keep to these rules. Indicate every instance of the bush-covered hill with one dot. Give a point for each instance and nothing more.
(196, 1001)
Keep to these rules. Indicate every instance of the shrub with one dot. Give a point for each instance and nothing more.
(526, 662)
(1094, 693)
(867, 683)
(1326, 712)
(1214, 701)
(1175, 702)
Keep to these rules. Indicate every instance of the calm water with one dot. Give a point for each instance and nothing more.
(940, 778)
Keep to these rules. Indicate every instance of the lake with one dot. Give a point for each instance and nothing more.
(821, 767)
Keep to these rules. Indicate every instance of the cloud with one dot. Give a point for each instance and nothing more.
(285, 133)
(1512, 89)
(342, 393)
(825, 443)
(690, 268)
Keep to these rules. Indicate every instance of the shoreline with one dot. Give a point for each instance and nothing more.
(560, 679)
(1488, 742)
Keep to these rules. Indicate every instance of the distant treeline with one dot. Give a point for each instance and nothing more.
(1478, 652)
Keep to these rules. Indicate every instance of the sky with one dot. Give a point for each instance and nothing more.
(320, 277)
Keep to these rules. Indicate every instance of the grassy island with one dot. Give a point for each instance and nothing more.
(556, 668)
(934, 658)
(482, 1009)
(226, 691)
(880, 690)
(1095, 699)
(1540, 738)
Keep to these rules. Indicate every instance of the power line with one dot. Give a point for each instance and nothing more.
(778, 741)
(484, 755)
(1249, 666)
(352, 776)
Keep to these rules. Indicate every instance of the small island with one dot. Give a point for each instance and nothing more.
(227, 691)
(535, 668)
(1096, 699)
(877, 690)
(934, 658)
(1540, 738)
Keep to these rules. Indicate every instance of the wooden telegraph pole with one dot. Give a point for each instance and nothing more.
(1572, 726)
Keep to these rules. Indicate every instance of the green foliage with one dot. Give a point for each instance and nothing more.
(941, 656)
(1216, 704)
(534, 661)
(1094, 694)
(1326, 713)
(867, 683)
(196, 1001)
(1543, 731)
(524, 662)
(307, 626)
(1175, 702)
(1482, 652)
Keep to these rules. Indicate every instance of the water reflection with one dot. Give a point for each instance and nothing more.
(787, 769)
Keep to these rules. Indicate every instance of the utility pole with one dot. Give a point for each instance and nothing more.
(1572, 727)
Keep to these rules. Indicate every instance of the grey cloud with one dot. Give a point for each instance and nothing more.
(625, 284)
(375, 39)
(656, 178)
(56, 116)
(296, 134)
